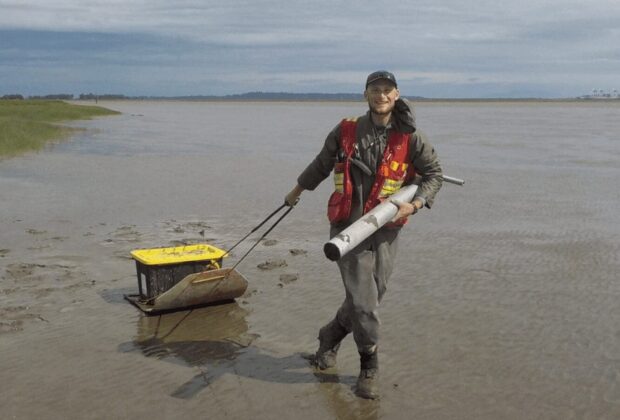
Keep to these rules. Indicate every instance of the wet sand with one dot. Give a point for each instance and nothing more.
(505, 302)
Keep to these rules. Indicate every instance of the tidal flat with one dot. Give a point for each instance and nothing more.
(504, 303)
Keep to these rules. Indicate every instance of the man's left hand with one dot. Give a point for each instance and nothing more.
(405, 209)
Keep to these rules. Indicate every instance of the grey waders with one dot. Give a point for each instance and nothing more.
(368, 382)
(330, 337)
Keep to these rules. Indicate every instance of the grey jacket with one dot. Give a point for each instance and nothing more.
(371, 141)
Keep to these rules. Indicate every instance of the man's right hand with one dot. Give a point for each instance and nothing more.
(292, 197)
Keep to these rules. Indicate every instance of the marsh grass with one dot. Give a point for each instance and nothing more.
(27, 125)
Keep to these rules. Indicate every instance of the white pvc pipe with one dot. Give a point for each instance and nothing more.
(366, 225)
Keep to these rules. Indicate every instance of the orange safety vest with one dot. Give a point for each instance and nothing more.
(392, 173)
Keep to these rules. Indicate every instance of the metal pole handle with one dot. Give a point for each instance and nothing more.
(452, 180)
(256, 228)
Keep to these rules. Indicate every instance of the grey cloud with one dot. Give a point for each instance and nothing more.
(265, 44)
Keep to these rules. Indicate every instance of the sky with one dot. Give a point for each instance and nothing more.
(436, 48)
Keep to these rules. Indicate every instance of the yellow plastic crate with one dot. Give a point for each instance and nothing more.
(159, 269)
(177, 254)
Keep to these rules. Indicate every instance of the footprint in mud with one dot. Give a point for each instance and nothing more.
(21, 270)
(124, 231)
(38, 248)
(270, 242)
(9, 290)
(295, 251)
(12, 318)
(272, 264)
(35, 231)
(39, 277)
(41, 293)
(124, 234)
(12, 310)
(249, 293)
(182, 227)
(190, 227)
(287, 278)
(197, 225)
(11, 326)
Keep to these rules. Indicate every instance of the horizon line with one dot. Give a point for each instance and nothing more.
(273, 95)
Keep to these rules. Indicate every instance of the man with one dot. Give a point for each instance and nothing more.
(372, 157)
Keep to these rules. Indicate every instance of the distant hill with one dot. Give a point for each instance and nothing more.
(289, 96)
(249, 96)
(278, 96)
(286, 96)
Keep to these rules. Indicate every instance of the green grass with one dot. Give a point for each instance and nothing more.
(27, 125)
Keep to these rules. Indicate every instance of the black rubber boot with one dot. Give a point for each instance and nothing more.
(330, 337)
(368, 381)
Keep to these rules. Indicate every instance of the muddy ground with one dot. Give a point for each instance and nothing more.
(505, 302)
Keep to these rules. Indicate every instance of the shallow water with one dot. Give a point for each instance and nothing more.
(505, 302)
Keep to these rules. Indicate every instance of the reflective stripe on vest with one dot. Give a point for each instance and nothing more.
(339, 182)
(339, 205)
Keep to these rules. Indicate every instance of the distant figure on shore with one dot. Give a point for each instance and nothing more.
(372, 156)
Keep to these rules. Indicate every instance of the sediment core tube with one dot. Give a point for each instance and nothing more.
(368, 224)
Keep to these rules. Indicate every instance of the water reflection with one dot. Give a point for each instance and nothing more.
(194, 337)
(216, 340)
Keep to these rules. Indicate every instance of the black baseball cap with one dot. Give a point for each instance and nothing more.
(381, 75)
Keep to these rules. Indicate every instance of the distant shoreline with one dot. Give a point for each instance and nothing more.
(326, 100)
(297, 97)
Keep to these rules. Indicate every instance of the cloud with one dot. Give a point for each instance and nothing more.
(312, 46)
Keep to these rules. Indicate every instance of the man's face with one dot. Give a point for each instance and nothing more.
(381, 96)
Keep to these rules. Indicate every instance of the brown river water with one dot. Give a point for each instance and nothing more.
(505, 302)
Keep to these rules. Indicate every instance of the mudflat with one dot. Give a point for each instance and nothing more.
(505, 301)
